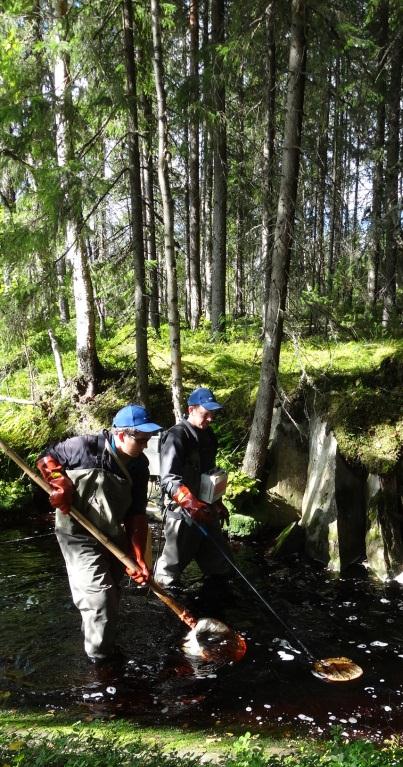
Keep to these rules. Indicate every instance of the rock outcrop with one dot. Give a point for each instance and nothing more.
(348, 515)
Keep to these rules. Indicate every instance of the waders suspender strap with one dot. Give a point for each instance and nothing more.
(119, 462)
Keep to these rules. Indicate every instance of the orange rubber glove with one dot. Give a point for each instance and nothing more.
(61, 496)
(196, 509)
(137, 529)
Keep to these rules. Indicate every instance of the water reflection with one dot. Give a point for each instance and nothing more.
(42, 661)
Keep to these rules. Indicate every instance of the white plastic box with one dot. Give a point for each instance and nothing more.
(152, 451)
(213, 485)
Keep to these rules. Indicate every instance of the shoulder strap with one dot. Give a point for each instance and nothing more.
(119, 462)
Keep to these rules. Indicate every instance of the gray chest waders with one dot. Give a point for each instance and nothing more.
(93, 573)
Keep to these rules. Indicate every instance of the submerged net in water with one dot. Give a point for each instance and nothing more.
(211, 640)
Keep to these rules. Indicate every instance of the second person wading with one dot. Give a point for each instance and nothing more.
(189, 450)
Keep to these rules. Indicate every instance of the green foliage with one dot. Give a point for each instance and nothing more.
(243, 526)
(337, 752)
(83, 748)
(247, 752)
(240, 488)
(13, 494)
(281, 539)
(80, 749)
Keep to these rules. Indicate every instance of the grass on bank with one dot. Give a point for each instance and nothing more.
(48, 741)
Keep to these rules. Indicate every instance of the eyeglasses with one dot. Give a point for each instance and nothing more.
(141, 440)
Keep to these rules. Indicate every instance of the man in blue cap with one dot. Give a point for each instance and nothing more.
(105, 476)
(188, 454)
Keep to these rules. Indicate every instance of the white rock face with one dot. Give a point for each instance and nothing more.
(319, 510)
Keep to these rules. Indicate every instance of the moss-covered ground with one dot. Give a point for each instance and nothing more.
(357, 385)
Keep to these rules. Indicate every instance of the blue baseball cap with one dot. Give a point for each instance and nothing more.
(204, 397)
(134, 417)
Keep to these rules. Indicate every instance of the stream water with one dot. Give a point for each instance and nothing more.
(42, 663)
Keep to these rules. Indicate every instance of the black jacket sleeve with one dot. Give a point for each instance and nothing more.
(172, 462)
(76, 452)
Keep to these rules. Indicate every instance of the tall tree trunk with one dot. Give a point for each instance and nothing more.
(268, 155)
(334, 227)
(207, 170)
(43, 75)
(58, 359)
(392, 224)
(153, 301)
(168, 216)
(255, 456)
(220, 170)
(88, 365)
(323, 147)
(62, 299)
(136, 206)
(239, 309)
(381, 33)
(207, 222)
(186, 217)
(194, 162)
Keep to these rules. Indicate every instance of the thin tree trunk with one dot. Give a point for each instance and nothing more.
(207, 170)
(207, 222)
(168, 216)
(64, 310)
(392, 224)
(187, 291)
(381, 35)
(239, 309)
(153, 302)
(58, 359)
(323, 147)
(220, 170)
(194, 162)
(43, 75)
(136, 206)
(268, 155)
(255, 456)
(334, 236)
(89, 368)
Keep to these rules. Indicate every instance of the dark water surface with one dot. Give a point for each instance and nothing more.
(42, 662)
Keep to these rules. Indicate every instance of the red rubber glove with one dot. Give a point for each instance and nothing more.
(196, 509)
(222, 512)
(137, 529)
(61, 496)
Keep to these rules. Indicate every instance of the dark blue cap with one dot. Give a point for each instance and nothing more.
(134, 417)
(204, 397)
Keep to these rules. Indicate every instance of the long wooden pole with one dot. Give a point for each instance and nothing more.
(178, 609)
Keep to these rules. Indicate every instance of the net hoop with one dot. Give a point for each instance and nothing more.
(339, 669)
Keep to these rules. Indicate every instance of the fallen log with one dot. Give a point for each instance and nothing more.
(19, 401)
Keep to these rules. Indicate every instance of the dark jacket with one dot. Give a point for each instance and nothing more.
(186, 453)
(88, 452)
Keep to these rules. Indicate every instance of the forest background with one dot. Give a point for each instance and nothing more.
(185, 189)
(177, 177)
